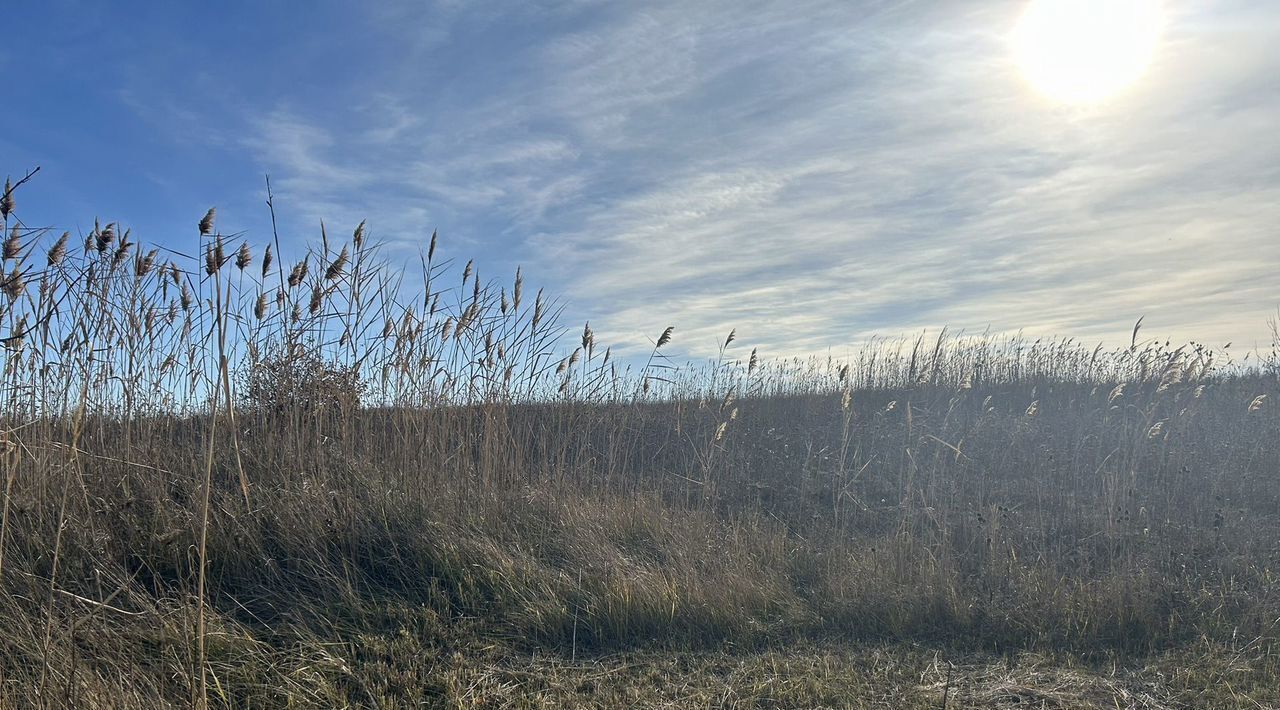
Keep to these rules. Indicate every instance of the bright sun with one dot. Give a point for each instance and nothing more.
(1084, 51)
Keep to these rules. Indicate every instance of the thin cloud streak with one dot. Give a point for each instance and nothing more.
(813, 176)
(946, 201)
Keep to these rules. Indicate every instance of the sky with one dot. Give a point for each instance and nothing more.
(809, 172)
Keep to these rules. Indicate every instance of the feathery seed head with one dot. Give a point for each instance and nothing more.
(464, 321)
(335, 269)
(666, 336)
(298, 273)
(142, 265)
(206, 223)
(1116, 393)
(59, 250)
(122, 251)
(13, 244)
(214, 257)
(517, 290)
(6, 200)
(105, 237)
(537, 309)
(17, 335)
(13, 285)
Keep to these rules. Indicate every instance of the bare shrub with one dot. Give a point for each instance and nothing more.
(301, 384)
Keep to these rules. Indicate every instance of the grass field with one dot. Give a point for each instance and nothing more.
(233, 481)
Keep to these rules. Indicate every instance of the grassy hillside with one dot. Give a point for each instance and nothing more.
(234, 481)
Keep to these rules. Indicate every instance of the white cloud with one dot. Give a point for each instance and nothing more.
(815, 173)
(933, 189)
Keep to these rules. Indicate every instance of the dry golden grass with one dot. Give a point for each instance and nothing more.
(246, 487)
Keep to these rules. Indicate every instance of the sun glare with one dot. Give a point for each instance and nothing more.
(1084, 51)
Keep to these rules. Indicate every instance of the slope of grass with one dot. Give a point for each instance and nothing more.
(235, 483)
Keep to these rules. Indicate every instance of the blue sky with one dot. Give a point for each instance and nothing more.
(809, 172)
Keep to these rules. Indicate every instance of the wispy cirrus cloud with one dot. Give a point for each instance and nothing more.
(809, 173)
(932, 189)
